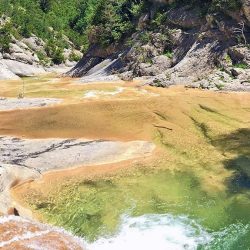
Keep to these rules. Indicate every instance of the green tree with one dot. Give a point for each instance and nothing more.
(45, 5)
(5, 37)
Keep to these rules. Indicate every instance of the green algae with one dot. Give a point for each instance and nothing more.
(93, 209)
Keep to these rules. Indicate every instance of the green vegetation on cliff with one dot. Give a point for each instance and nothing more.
(83, 22)
(86, 22)
(65, 26)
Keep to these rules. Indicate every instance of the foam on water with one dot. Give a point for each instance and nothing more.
(97, 93)
(161, 232)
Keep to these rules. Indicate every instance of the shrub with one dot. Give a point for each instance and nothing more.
(57, 56)
(54, 52)
(5, 37)
(241, 65)
(74, 57)
(44, 60)
(169, 54)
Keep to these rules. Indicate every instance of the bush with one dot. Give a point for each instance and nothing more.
(225, 4)
(5, 38)
(169, 54)
(57, 57)
(242, 65)
(74, 57)
(44, 60)
(54, 52)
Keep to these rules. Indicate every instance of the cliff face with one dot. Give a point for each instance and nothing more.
(193, 43)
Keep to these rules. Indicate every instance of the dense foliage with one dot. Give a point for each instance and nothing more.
(212, 5)
(83, 22)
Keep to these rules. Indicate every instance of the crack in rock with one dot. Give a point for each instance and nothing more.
(48, 154)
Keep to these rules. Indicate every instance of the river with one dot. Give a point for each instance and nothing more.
(192, 192)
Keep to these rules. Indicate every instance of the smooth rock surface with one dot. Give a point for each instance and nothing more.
(48, 154)
(22, 69)
(11, 175)
(7, 104)
(6, 74)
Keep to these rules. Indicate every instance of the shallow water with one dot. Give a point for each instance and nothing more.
(168, 210)
(194, 192)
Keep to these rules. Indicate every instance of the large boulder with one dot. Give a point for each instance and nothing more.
(6, 74)
(20, 52)
(14, 48)
(22, 69)
(34, 43)
(146, 69)
(22, 57)
(162, 62)
(157, 65)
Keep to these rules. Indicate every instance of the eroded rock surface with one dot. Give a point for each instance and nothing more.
(11, 175)
(23, 159)
(48, 154)
(18, 233)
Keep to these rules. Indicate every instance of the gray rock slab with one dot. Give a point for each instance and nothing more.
(7, 104)
(48, 154)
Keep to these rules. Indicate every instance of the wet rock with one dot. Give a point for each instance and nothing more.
(11, 175)
(20, 233)
(48, 154)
